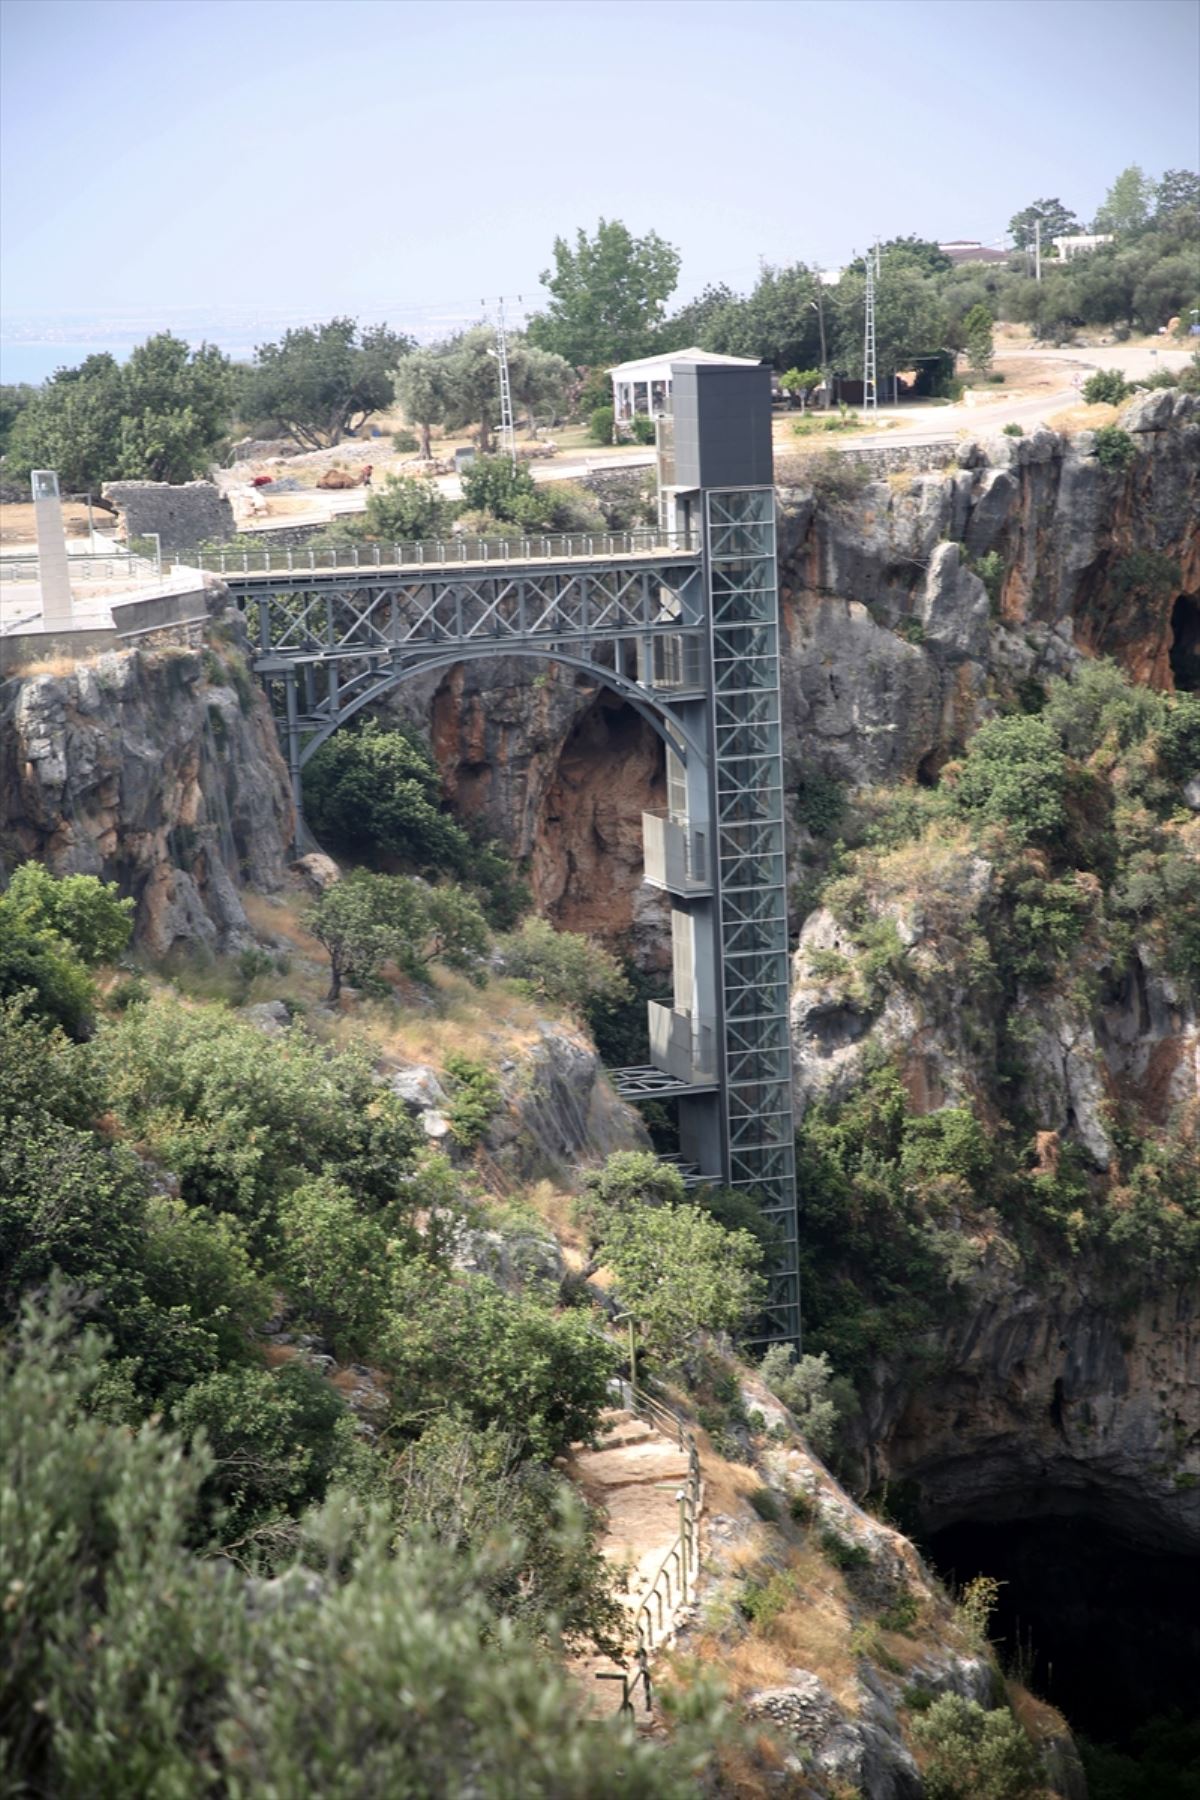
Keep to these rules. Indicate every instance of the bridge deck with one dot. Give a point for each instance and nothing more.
(470, 556)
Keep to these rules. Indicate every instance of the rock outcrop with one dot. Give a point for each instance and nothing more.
(157, 769)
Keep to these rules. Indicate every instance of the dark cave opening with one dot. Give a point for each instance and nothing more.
(1185, 643)
(1106, 1629)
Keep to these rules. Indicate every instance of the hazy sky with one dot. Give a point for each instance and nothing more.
(296, 157)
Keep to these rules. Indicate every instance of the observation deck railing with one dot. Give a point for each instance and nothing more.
(440, 553)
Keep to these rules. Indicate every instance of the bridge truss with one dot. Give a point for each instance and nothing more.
(684, 625)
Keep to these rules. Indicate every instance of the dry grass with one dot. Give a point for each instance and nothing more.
(1083, 417)
(558, 1210)
(50, 665)
(1038, 1719)
(453, 1018)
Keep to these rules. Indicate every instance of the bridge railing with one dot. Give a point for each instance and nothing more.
(553, 546)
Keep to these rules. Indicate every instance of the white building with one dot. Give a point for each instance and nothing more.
(1083, 245)
(645, 386)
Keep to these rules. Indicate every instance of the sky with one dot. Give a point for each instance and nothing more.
(260, 162)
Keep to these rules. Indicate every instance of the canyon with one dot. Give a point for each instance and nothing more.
(1055, 1407)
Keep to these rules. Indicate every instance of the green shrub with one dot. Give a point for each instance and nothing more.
(1012, 429)
(1114, 448)
(628, 1181)
(808, 1388)
(600, 425)
(802, 1509)
(365, 921)
(563, 967)
(406, 508)
(464, 1347)
(1106, 386)
(762, 1602)
(567, 506)
(242, 1119)
(272, 1436)
(1014, 774)
(678, 1271)
(474, 1099)
(405, 441)
(334, 1260)
(643, 429)
(52, 930)
(135, 1665)
(842, 1553)
(975, 1755)
(766, 1505)
(492, 484)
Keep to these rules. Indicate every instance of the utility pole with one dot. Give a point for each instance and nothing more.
(870, 387)
(508, 435)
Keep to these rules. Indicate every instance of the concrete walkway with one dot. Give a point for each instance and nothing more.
(634, 1476)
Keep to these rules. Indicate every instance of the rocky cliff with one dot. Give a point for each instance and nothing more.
(157, 769)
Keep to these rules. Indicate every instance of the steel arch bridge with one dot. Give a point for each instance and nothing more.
(683, 623)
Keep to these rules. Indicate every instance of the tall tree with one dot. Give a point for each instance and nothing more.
(473, 383)
(1127, 204)
(917, 253)
(422, 388)
(910, 320)
(1178, 190)
(777, 322)
(158, 418)
(608, 295)
(1057, 221)
(320, 381)
(541, 381)
(977, 329)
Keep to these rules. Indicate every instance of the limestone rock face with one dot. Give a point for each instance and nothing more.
(149, 769)
(1051, 1402)
(560, 1112)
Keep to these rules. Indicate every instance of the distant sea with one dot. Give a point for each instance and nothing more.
(37, 362)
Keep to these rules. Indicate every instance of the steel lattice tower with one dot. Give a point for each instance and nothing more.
(870, 389)
(683, 622)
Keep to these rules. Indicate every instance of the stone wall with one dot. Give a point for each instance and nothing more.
(196, 512)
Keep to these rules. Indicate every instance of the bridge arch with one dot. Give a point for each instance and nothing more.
(677, 736)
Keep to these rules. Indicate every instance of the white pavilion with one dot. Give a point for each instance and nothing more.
(645, 386)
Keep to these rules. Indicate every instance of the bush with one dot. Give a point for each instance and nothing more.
(601, 424)
(566, 506)
(1015, 774)
(272, 1437)
(810, 1391)
(1012, 429)
(135, 1665)
(842, 1553)
(365, 921)
(474, 1099)
(405, 441)
(629, 1180)
(643, 429)
(463, 1346)
(836, 480)
(334, 1260)
(405, 508)
(491, 484)
(766, 1505)
(242, 1119)
(52, 930)
(377, 789)
(680, 1272)
(1114, 449)
(975, 1755)
(564, 968)
(1106, 387)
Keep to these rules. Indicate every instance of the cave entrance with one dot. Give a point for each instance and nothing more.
(587, 865)
(1185, 643)
(1105, 1628)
